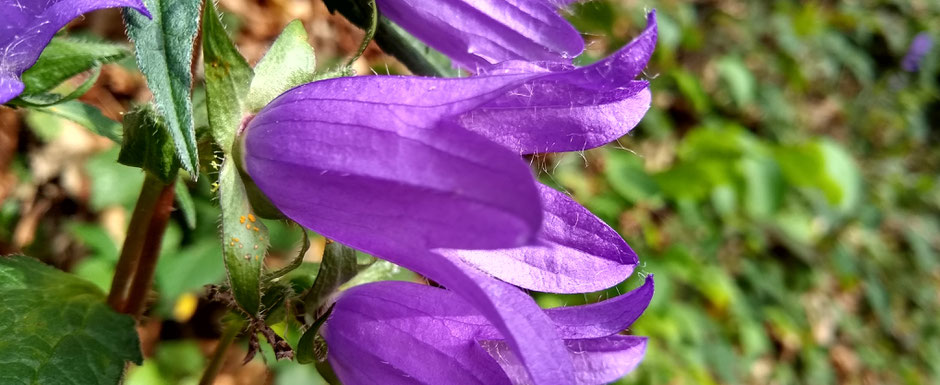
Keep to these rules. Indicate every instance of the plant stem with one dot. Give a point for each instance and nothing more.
(218, 357)
(134, 241)
(147, 263)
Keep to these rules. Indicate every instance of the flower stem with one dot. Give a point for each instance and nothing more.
(218, 357)
(134, 241)
(147, 263)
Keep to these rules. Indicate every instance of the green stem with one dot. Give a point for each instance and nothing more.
(218, 357)
(134, 241)
(147, 262)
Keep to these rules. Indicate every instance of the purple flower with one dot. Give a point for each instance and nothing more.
(28, 26)
(419, 171)
(399, 332)
(477, 33)
(915, 54)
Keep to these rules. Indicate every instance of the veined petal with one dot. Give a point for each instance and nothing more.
(476, 33)
(575, 252)
(402, 332)
(28, 26)
(596, 360)
(357, 170)
(568, 109)
(407, 327)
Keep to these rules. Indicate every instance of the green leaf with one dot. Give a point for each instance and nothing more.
(87, 116)
(244, 240)
(228, 78)
(57, 328)
(184, 201)
(147, 144)
(311, 347)
(64, 58)
(45, 99)
(164, 48)
(288, 63)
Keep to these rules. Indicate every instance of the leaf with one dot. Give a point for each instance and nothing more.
(228, 78)
(147, 144)
(164, 48)
(45, 99)
(288, 63)
(64, 58)
(57, 328)
(184, 201)
(244, 240)
(87, 116)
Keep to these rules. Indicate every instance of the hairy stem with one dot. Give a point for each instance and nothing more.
(134, 241)
(218, 357)
(147, 263)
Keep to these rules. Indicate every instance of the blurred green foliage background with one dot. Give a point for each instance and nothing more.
(784, 189)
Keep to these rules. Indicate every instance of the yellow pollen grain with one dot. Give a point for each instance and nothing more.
(242, 219)
(256, 247)
(248, 226)
(251, 217)
(234, 239)
(255, 228)
(231, 243)
(256, 257)
(247, 256)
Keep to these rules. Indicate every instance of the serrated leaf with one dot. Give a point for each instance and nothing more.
(228, 78)
(57, 328)
(244, 240)
(164, 49)
(288, 63)
(147, 144)
(64, 58)
(87, 116)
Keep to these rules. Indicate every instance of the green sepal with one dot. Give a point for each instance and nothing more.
(338, 266)
(288, 63)
(311, 347)
(228, 78)
(244, 240)
(164, 50)
(57, 327)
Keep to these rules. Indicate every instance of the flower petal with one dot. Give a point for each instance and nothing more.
(372, 173)
(596, 360)
(28, 26)
(604, 318)
(476, 33)
(569, 109)
(575, 252)
(423, 332)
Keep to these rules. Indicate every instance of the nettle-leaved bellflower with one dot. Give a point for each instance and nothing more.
(28, 26)
(427, 173)
(477, 33)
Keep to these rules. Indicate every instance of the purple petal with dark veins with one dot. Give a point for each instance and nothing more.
(575, 252)
(568, 109)
(476, 33)
(28, 26)
(351, 169)
(401, 332)
(596, 360)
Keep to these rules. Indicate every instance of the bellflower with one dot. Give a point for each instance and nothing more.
(400, 332)
(28, 26)
(477, 33)
(420, 170)
(916, 52)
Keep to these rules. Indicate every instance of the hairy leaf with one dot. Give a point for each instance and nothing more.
(164, 48)
(57, 329)
(244, 240)
(228, 77)
(288, 63)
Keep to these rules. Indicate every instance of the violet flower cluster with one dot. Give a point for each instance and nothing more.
(27, 27)
(427, 173)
